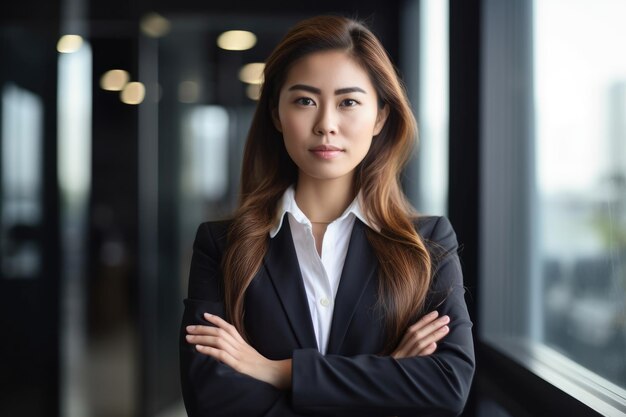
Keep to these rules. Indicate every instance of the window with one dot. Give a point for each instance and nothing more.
(553, 185)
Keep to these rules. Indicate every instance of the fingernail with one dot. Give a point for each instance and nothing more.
(191, 328)
(207, 315)
(444, 329)
(188, 337)
(445, 319)
(433, 313)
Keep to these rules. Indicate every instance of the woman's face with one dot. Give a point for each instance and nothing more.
(328, 113)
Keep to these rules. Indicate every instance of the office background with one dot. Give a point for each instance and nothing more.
(118, 140)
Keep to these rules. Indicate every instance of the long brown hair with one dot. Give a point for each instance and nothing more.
(267, 171)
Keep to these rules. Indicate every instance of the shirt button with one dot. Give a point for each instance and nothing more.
(325, 302)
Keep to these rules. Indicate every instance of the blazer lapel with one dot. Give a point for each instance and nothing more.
(281, 264)
(360, 265)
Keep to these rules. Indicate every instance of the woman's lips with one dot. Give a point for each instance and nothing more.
(326, 151)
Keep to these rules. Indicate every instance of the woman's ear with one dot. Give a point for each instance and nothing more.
(276, 120)
(381, 118)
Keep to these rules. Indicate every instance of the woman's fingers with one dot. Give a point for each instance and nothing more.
(419, 333)
(223, 342)
(216, 342)
(222, 335)
(211, 337)
(429, 350)
(217, 353)
(213, 341)
(421, 338)
(428, 318)
(223, 324)
(424, 346)
(428, 324)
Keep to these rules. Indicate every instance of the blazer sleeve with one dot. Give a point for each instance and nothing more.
(209, 387)
(381, 385)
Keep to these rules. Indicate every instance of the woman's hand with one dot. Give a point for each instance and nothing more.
(225, 344)
(421, 338)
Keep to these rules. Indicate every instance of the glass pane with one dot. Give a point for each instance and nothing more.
(433, 107)
(580, 98)
(425, 74)
(21, 211)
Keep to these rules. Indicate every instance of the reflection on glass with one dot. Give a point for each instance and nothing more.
(74, 150)
(433, 106)
(205, 150)
(580, 79)
(74, 105)
(21, 211)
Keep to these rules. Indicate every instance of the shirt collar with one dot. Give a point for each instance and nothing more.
(288, 204)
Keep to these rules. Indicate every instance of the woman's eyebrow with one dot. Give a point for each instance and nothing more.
(305, 88)
(317, 91)
(349, 90)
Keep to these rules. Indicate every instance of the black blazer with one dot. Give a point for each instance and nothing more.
(352, 378)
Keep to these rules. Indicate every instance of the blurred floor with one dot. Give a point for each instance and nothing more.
(110, 367)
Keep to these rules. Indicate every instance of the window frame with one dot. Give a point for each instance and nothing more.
(553, 386)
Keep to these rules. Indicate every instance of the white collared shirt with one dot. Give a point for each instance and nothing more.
(321, 275)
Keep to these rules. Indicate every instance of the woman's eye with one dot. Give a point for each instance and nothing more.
(305, 101)
(349, 102)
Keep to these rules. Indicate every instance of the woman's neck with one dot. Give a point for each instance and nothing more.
(322, 201)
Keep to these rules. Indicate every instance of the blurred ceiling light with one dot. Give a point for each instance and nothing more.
(188, 92)
(253, 91)
(236, 40)
(69, 43)
(252, 73)
(154, 25)
(133, 93)
(114, 80)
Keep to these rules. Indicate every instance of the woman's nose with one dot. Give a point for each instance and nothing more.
(326, 123)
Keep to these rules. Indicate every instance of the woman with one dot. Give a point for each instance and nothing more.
(312, 299)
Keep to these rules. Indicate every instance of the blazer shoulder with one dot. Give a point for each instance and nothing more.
(219, 228)
(438, 234)
(212, 234)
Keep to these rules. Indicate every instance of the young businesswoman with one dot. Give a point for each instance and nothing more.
(326, 294)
